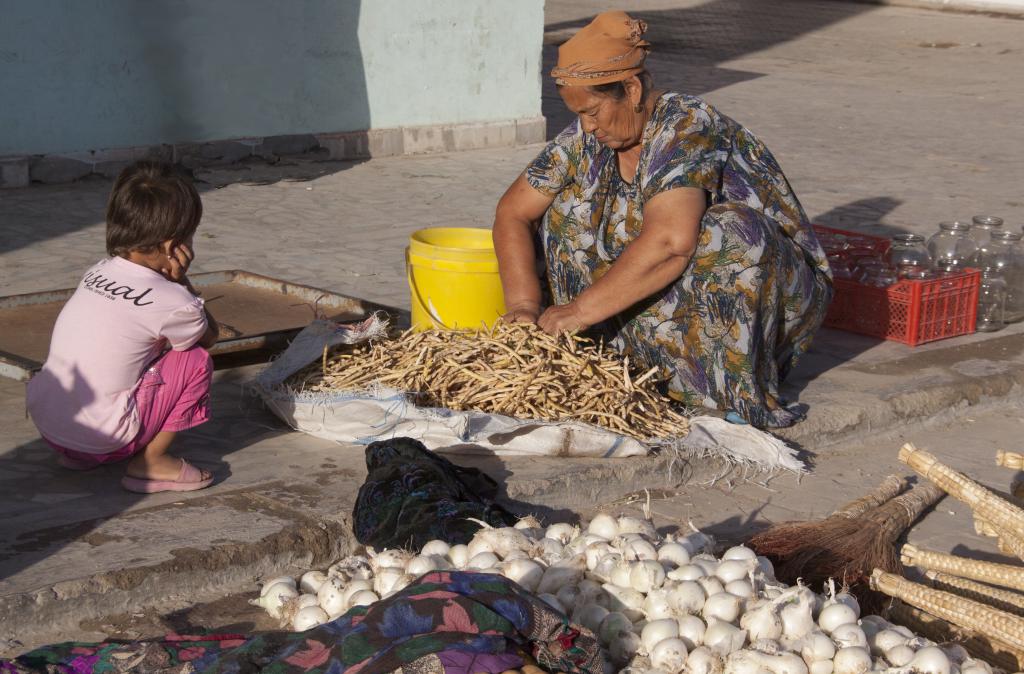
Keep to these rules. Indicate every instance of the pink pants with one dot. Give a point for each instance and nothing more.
(174, 395)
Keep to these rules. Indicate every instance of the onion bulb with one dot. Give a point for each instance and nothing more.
(604, 525)
(309, 617)
(817, 646)
(590, 616)
(674, 554)
(931, 660)
(311, 581)
(421, 564)
(723, 637)
(691, 630)
(739, 552)
(552, 601)
(436, 547)
(331, 596)
(723, 606)
(647, 575)
(834, 615)
(363, 598)
(732, 569)
(656, 631)
(687, 572)
(274, 596)
(525, 572)
(561, 573)
(635, 525)
(528, 522)
(687, 597)
(561, 532)
(353, 588)
(657, 606)
(482, 560)
(849, 634)
(669, 655)
(703, 660)
(623, 647)
(851, 661)
(900, 656)
(611, 626)
(762, 622)
(459, 556)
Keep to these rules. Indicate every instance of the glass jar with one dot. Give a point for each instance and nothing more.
(909, 250)
(982, 228)
(875, 272)
(951, 248)
(840, 266)
(991, 302)
(1006, 255)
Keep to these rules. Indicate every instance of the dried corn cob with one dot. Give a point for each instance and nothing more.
(1013, 460)
(1002, 515)
(1002, 575)
(998, 625)
(512, 369)
(1004, 656)
(1004, 600)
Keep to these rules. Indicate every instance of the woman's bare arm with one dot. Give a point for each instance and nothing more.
(515, 221)
(654, 260)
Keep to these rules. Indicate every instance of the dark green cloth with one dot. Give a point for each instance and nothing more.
(412, 495)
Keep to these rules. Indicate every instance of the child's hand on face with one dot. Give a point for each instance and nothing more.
(178, 262)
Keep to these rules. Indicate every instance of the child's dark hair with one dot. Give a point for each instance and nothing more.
(151, 202)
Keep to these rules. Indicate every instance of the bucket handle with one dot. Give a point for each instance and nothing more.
(416, 293)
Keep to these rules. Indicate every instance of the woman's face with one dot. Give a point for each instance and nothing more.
(614, 123)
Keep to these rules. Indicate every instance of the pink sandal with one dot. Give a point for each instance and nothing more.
(189, 479)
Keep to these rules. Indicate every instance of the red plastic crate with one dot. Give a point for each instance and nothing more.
(909, 311)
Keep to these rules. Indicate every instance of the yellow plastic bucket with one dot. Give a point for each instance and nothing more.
(453, 278)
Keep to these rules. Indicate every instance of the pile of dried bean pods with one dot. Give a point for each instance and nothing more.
(512, 369)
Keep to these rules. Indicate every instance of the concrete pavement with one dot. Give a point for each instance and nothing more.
(885, 119)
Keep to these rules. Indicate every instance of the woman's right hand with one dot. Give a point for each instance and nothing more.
(524, 313)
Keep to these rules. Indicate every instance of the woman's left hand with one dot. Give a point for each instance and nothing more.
(563, 318)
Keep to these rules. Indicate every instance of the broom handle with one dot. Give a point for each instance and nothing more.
(897, 515)
(888, 489)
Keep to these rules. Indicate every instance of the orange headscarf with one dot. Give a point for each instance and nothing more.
(608, 49)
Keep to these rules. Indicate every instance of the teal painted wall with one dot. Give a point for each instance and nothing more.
(78, 75)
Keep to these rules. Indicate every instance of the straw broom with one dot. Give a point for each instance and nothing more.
(849, 544)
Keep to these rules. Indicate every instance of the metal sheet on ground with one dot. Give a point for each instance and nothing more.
(257, 314)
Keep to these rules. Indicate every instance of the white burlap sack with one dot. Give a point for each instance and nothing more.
(365, 416)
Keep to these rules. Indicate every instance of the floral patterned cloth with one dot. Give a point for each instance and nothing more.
(415, 631)
(757, 288)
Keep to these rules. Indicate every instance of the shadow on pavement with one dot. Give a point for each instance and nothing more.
(832, 348)
(690, 44)
(47, 508)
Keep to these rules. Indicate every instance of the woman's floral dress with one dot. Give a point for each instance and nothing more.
(756, 290)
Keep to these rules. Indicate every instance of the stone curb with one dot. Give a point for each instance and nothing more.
(1010, 9)
(876, 412)
(51, 613)
(20, 171)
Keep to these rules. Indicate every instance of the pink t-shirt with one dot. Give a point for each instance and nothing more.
(120, 319)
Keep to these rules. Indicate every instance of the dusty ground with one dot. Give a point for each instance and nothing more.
(885, 119)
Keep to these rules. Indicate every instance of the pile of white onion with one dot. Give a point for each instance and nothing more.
(659, 605)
